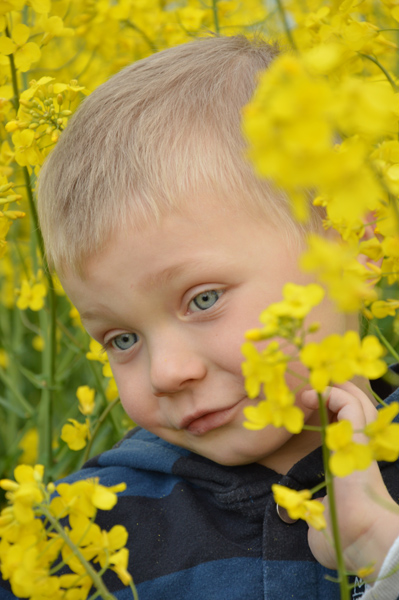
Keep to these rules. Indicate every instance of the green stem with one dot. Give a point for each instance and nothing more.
(343, 580)
(49, 355)
(45, 411)
(13, 75)
(100, 421)
(382, 68)
(287, 29)
(216, 16)
(386, 343)
(318, 487)
(133, 590)
(312, 428)
(29, 412)
(298, 376)
(94, 576)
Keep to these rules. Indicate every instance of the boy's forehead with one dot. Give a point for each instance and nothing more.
(197, 235)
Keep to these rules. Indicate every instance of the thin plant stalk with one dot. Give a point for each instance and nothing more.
(99, 423)
(216, 16)
(49, 353)
(94, 576)
(329, 481)
(287, 29)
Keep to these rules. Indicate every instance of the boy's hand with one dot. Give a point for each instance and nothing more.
(367, 527)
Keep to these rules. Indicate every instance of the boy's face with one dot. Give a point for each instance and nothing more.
(171, 303)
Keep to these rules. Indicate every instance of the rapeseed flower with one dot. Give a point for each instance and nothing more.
(75, 434)
(84, 497)
(86, 395)
(267, 366)
(337, 359)
(31, 295)
(279, 412)
(348, 456)
(300, 506)
(25, 53)
(383, 434)
(25, 492)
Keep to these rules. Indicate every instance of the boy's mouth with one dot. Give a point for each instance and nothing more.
(202, 422)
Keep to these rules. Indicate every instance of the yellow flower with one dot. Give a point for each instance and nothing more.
(348, 456)
(85, 395)
(284, 318)
(367, 107)
(26, 151)
(76, 434)
(75, 317)
(84, 497)
(54, 27)
(40, 6)
(25, 492)
(29, 445)
(383, 434)
(337, 359)
(390, 265)
(262, 367)
(111, 391)
(31, 296)
(299, 505)
(38, 343)
(382, 308)
(368, 355)
(119, 562)
(279, 413)
(96, 352)
(298, 301)
(328, 362)
(349, 283)
(364, 572)
(25, 53)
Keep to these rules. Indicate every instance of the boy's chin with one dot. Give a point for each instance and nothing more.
(246, 450)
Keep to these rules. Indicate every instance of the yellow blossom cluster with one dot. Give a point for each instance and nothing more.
(44, 109)
(266, 369)
(337, 359)
(334, 360)
(33, 537)
(323, 125)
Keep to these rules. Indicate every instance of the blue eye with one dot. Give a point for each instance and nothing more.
(205, 300)
(124, 341)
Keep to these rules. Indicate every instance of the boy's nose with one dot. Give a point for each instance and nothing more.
(174, 369)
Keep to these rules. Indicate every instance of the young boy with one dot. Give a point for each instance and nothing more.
(170, 247)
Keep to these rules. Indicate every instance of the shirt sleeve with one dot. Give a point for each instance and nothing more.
(387, 585)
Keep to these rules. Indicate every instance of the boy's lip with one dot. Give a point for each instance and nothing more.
(203, 421)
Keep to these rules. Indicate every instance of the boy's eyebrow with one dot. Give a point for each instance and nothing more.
(163, 276)
(92, 314)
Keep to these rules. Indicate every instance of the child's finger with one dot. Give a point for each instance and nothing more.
(345, 401)
(348, 401)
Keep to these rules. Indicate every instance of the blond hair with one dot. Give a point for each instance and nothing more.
(162, 131)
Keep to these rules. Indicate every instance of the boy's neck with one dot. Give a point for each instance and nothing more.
(296, 448)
